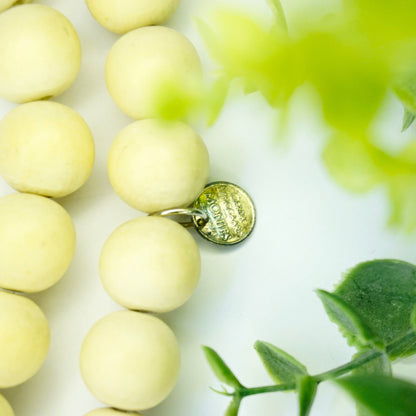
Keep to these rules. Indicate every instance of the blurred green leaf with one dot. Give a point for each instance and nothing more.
(383, 294)
(221, 370)
(402, 192)
(408, 119)
(351, 325)
(351, 60)
(381, 395)
(277, 9)
(306, 388)
(350, 80)
(355, 163)
(211, 39)
(281, 366)
(216, 99)
(386, 21)
(405, 89)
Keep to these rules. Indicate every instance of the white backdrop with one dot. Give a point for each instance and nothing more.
(308, 232)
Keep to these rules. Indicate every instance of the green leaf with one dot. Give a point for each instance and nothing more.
(408, 119)
(405, 89)
(350, 79)
(355, 163)
(279, 14)
(380, 365)
(221, 370)
(413, 318)
(403, 201)
(234, 407)
(281, 366)
(306, 387)
(383, 294)
(211, 39)
(216, 99)
(381, 395)
(349, 322)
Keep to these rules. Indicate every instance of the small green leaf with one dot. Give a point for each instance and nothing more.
(306, 387)
(349, 322)
(383, 294)
(234, 406)
(408, 119)
(381, 395)
(279, 14)
(221, 370)
(281, 366)
(216, 99)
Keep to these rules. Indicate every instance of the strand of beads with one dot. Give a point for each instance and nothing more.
(46, 150)
(130, 360)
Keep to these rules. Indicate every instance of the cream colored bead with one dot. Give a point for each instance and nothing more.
(46, 148)
(5, 408)
(24, 339)
(40, 53)
(5, 4)
(130, 360)
(109, 412)
(37, 242)
(150, 264)
(153, 166)
(121, 16)
(142, 61)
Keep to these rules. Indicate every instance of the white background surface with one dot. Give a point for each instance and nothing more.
(308, 232)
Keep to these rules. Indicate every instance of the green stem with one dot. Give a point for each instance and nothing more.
(331, 374)
(364, 358)
(346, 368)
(266, 389)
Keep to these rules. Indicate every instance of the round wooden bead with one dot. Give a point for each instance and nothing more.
(110, 412)
(150, 264)
(24, 339)
(142, 62)
(153, 166)
(40, 53)
(130, 360)
(121, 16)
(5, 408)
(46, 148)
(37, 242)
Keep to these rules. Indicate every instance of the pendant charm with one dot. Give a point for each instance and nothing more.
(230, 213)
(223, 213)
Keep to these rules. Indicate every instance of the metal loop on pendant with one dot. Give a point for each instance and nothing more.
(184, 215)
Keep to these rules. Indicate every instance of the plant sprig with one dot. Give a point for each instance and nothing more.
(350, 59)
(375, 309)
